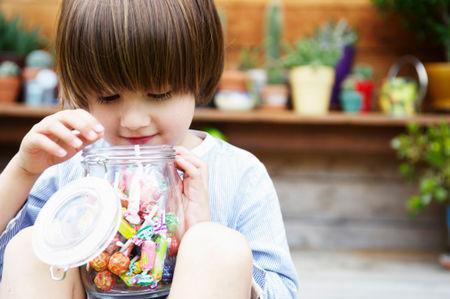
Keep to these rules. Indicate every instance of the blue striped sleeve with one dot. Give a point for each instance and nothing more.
(43, 188)
(260, 221)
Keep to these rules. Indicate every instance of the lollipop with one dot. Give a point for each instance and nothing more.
(100, 263)
(105, 281)
(118, 263)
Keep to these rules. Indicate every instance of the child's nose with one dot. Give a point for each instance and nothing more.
(134, 118)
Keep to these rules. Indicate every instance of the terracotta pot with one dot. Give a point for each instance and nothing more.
(438, 86)
(233, 80)
(9, 89)
(275, 96)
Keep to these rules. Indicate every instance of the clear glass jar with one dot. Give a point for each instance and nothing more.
(125, 217)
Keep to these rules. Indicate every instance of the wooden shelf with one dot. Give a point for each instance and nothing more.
(263, 116)
(265, 130)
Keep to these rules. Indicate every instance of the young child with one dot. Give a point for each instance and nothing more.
(132, 72)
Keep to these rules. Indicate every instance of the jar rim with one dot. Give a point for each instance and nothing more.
(137, 152)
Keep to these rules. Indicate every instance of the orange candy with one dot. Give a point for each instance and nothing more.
(118, 263)
(105, 281)
(100, 263)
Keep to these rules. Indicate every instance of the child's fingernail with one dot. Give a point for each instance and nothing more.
(61, 153)
(99, 128)
(76, 142)
(91, 135)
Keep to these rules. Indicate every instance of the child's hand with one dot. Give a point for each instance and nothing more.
(57, 138)
(195, 187)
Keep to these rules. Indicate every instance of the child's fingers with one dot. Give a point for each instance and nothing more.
(60, 132)
(186, 154)
(79, 120)
(188, 168)
(43, 142)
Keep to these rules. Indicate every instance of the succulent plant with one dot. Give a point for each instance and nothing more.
(9, 68)
(15, 39)
(39, 59)
(274, 65)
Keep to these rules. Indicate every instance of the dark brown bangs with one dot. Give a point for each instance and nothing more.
(107, 46)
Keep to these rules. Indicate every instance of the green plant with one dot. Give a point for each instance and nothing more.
(336, 34)
(9, 68)
(39, 59)
(324, 47)
(273, 63)
(248, 58)
(309, 51)
(424, 17)
(15, 39)
(425, 155)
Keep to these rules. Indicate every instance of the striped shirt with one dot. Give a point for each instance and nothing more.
(242, 197)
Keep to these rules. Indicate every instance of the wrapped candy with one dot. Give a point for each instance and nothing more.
(172, 223)
(148, 254)
(118, 263)
(100, 263)
(126, 230)
(161, 250)
(113, 247)
(169, 269)
(105, 281)
(173, 246)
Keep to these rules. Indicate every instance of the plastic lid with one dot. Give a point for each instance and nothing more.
(77, 223)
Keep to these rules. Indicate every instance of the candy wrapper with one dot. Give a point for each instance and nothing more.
(143, 253)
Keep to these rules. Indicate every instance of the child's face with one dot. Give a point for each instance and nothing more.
(151, 118)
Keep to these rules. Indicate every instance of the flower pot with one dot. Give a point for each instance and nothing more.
(311, 89)
(351, 101)
(233, 80)
(438, 86)
(275, 96)
(9, 89)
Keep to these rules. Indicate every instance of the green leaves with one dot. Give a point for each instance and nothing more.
(424, 17)
(13, 38)
(425, 156)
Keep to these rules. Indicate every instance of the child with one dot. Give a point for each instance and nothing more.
(133, 70)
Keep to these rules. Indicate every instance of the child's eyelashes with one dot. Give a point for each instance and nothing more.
(108, 99)
(152, 96)
(160, 96)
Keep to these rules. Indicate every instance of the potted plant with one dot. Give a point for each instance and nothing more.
(275, 92)
(425, 156)
(312, 74)
(428, 18)
(9, 81)
(16, 42)
(343, 37)
(357, 90)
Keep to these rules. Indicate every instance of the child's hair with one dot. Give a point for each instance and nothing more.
(105, 46)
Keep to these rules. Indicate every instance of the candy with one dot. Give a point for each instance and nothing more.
(118, 263)
(161, 250)
(105, 281)
(169, 268)
(148, 254)
(100, 263)
(144, 280)
(172, 222)
(126, 230)
(112, 247)
(173, 246)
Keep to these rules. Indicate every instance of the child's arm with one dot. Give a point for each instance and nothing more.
(260, 221)
(53, 140)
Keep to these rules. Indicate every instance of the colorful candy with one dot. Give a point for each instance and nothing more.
(148, 253)
(105, 281)
(144, 250)
(118, 263)
(100, 263)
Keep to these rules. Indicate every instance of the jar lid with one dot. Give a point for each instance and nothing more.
(77, 223)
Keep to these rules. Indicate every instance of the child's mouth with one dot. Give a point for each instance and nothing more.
(139, 140)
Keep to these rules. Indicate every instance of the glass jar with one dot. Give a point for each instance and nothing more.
(123, 222)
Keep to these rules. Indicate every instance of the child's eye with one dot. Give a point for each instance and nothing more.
(160, 96)
(108, 99)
